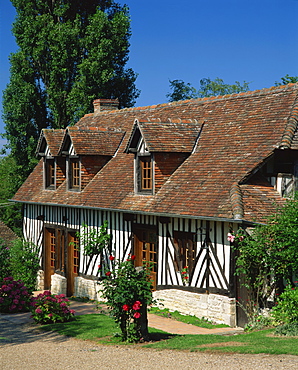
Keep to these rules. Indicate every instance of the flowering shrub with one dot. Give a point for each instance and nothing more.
(286, 309)
(128, 292)
(14, 296)
(184, 275)
(233, 237)
(49, 308)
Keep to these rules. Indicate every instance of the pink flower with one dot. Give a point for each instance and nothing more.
(38, 310)
(111, 258)
(241, 238)
(231, 237)
(137, 315)
(50, 315)
(125, 307)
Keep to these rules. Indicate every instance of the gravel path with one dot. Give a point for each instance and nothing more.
(25, 347)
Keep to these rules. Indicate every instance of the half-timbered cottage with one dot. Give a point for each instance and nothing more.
(172, 180)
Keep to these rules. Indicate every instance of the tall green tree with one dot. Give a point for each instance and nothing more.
(70, 52)
(10, 213)
(183, 91)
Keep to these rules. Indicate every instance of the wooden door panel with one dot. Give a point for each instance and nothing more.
(49, 255)
(72, 261)
(145, 250)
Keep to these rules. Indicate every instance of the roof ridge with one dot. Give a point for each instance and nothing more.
(263, 91)
(236, 201)
(291, 127)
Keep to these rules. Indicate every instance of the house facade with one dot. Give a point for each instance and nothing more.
(171, 180)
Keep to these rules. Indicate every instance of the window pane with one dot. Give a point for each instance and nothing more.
(146, 173)
(75, 173)
(50, 172)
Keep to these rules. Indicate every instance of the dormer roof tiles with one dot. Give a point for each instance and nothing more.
(172, 136)
(94, 140)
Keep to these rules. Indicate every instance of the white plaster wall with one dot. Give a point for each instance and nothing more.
(217, 308)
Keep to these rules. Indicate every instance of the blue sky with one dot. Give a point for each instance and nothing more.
(251, 40)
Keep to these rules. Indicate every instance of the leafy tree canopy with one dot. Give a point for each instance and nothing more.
(183, 91)
(10, 213)
(70, 52)
(287, 80)
(270, 253)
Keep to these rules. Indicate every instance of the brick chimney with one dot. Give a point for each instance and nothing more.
(101, 105)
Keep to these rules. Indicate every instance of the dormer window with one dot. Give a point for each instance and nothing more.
(50, 173)
(74, 174)
(159, 149)
(145, 174)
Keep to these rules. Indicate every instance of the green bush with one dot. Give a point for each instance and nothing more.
(286, 309)
(5, 269)
(288, 330)
(24, 263)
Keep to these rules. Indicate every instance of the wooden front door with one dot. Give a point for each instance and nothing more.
(145, 250)
(49, 256)
(72, 261)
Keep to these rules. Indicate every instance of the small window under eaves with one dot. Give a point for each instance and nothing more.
(50, 173)
(145, 174)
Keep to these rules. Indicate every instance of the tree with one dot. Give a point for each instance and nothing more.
(183, 91)
(10, 213)
(70, 52)
(269, 255)
(287, 80)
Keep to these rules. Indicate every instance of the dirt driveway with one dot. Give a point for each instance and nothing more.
(25, 347)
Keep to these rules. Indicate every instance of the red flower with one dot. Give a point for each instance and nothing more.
(111, 258)
(133, 257)
(99, 266)
(125, 307)
(136, 306)
(108, 273)
(137, 315)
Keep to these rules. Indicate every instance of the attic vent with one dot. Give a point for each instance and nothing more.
(101, 105)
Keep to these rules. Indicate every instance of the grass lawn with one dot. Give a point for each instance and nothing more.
(102, 329)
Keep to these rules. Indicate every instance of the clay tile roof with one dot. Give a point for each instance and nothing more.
(239, 132)
(176, 135)
(95, 140)
(52, 138)
(6, 233)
